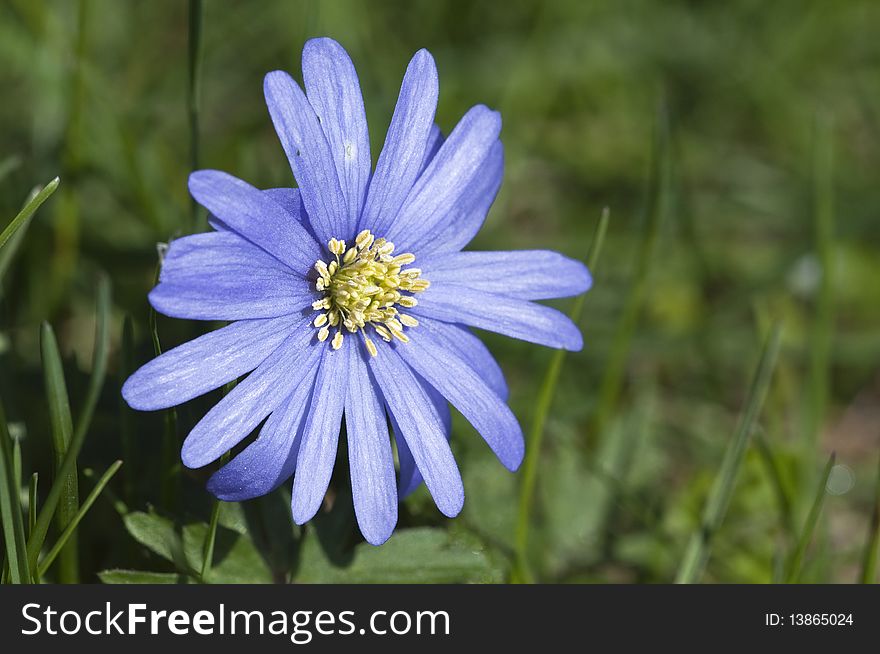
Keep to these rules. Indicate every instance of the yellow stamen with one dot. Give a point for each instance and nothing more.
(364, 285)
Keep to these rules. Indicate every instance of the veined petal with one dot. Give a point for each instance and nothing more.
(369, 451)
(206, 363)
(466, 390)
(435, 140)
(401, 158)
(410, 478)
(333, 90)
(245, 407)
(468, 347)
(309, 154)
(270, 460)
(260, 295)
(221, 276)
(287, 198)
(253, 214)
(421, 426)
(463, 220)
(520, 319)
(447, 177)
(317, 453)
(524, 274)
(216, 253)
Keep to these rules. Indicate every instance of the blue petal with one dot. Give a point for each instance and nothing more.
(446, 180)
(230, 299)
(287, 198)
(317, 453)
(221, 276)
(401, 159)
(206, 363)
(333, 90)
(435, 140)
(520, 319)
(254, 215)
(410, 478)
(245, 407)
(217, 253)
(473, 351)
(369, 452)
(309, 154)
(525, 274)
(466, 390)
(465, 218)
(270, 460)
(420, 424)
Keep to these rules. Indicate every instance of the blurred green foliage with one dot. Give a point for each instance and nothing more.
(762, 223)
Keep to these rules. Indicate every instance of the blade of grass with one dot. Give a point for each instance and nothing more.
(68, 465)
(28, 211)
(699, 546)
(32, 502)
(542, 410)
(68, 532)
(126, 417)
(62, 433)
(659, 192)
(796, 562)
(7, 253)
(210, 538)
(196, 21)
(872, 546)
(16, 462)
(777, 482)
(168, 483)
(10, 513)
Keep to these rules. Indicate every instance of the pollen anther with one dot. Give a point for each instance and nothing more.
(362, 288)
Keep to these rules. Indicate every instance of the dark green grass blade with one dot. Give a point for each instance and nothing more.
(10, 512)
(196, 22)
(8, 252)
(68, 532)
(872, 546)
(28, 211)
(542, 410)
(62, 434)
(168, 483)
(32, 502)
(126, 414)
(796, 562)
(68, 465)
(698, 549)
(659, 193)
(99, 355)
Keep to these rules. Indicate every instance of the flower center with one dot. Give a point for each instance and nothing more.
(363, 287)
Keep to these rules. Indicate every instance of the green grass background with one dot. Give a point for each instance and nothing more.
(763, 120)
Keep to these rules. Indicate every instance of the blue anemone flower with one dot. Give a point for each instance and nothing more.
(329, 315)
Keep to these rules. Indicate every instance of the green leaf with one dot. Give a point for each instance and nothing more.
(141, 577)
(11, 518)
(27, 212)
(235, 558)
(159, 535)
(62, 433)
(697, 553)
(418, 556)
